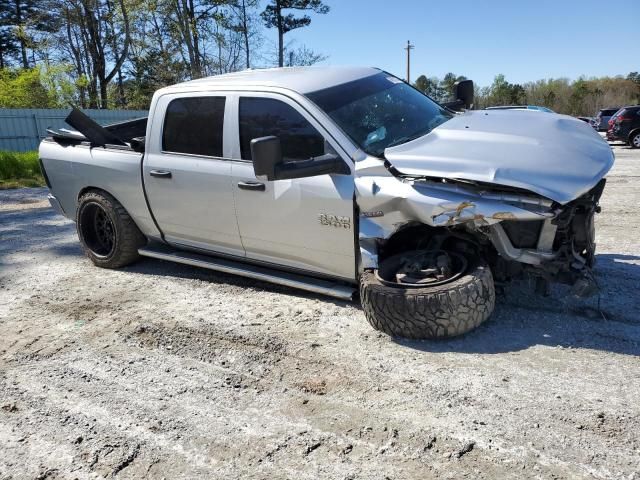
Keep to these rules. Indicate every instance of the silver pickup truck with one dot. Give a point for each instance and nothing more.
(333, 179)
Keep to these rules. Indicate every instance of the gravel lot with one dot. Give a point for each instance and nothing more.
(167, 371)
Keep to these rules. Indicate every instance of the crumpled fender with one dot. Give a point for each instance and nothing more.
(388, 203)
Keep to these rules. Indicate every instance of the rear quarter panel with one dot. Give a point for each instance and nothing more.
(74, 168)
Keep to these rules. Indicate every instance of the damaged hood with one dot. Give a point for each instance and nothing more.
(555, 156)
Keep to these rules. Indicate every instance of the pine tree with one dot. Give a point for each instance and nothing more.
(9, 46)
(275, 17)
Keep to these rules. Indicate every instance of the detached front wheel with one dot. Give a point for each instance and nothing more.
(427, 294)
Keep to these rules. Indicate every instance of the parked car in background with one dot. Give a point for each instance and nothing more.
(521, 107)
(609, 134)
(602, 118)
(626, 126)
(588, 120)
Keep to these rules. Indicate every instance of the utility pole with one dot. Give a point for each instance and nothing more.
(408, 48)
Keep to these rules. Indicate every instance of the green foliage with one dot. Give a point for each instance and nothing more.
(275, 16)
(24, 25)
(440, 90)
(59, 83)
(23, 88)
(20, 169)
(148, 73)
(38, 87)
(9, 44)
(584, 96)
(502, 92)
(447, 85)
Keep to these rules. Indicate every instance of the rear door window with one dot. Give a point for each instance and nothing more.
(262, 117)
(194, 125)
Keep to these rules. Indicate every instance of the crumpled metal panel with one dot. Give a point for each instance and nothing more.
(388, 203)
(556, 156)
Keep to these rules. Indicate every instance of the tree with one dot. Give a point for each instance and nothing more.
(303, 57)
(23, 88)
(245, 24)
(580, 91)
(9, 47)
(422, 83)
(274, 17)
(21, 23)
(99, 37)
(635, 78)
(430, 87)
(502, 92)
(448, 83)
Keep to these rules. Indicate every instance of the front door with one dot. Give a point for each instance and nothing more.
(187, 177)
(304, 223)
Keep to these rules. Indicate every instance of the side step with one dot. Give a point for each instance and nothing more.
(292, 280)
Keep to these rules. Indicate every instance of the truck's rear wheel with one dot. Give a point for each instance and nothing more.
(427, 294)
(108, 235)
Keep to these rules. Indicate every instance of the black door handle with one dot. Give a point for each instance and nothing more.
(160, 173)
(251, 186)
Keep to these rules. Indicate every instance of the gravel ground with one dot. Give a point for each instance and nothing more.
(167, 371)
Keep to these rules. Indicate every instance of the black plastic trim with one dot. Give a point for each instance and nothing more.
(146, 200)
(44, 173)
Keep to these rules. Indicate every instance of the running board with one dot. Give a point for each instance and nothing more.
(292, 280)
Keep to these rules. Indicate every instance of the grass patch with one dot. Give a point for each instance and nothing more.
(20, 169)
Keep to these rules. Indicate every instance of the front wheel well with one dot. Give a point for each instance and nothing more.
(420, 236)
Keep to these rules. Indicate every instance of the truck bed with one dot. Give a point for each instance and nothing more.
(73, 165)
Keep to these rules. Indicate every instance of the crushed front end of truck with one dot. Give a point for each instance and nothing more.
(516, 231)
(558, 249)
(435, 243)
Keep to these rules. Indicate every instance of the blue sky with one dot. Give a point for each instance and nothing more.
(523, 39)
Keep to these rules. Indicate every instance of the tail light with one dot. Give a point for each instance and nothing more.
(622, 118)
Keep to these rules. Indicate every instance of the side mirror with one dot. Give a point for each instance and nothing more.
(268, 162)
(464, 96)
(266, 153)
(464, 92)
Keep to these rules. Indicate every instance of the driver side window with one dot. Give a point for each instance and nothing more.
(261, 117)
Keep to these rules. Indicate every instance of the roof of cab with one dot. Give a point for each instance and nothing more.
(299, 79)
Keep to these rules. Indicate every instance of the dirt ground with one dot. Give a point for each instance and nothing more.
(167, 371)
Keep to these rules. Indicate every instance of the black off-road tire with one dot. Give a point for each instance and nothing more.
(432, 312)
(127, 238)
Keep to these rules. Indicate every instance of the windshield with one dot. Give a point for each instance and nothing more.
(380, 111)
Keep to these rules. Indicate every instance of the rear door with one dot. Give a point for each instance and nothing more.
(304, 223)
(187, 175)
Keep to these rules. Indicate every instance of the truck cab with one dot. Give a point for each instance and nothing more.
(199, 178)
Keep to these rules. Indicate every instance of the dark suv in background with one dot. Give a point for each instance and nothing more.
(626, 126)
(601, 122)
